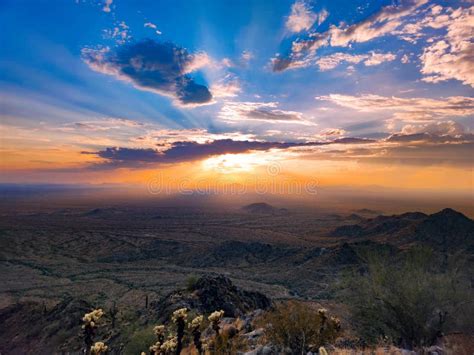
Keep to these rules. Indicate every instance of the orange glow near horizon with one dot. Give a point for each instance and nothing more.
(250, 169)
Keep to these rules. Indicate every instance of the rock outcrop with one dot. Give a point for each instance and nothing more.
(210, 293)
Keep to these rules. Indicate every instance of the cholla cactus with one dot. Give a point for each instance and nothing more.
(90, 325)
(155, 348)
(215, 318)
(170, 345)
(159, 331)
(196, 322)
(336, 322)
(195, 327)
(99, 348)
(92, 318)
(181, 313)
(179, 317)
(322, 312)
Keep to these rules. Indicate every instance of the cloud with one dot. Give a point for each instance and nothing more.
(379, 58)
(185, 151)
(162, 68)
(167, 137)
(332, 132)
(406, 109)
(301, 17)
(332, 61)
(382, 23)
(227, 87)
(107, 4)
(421, 149)
(438, 128)
(322, 16)
(181, 152)
(152, 26)
(439, 146)
(246, 56)
(120, 33)
(445, 57)
(259, 111)
(452, 57)
(105, 124)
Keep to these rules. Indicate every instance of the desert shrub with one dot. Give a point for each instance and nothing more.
(191, 282)
(410, 299)
(227, 343)
(297, 328)
(140, 340)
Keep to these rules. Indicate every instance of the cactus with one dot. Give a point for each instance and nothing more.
(89, 327)
(99, 348)
(195, 327)
(179, 318)
(215, 318)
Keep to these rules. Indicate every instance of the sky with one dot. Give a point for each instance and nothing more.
(192, 93)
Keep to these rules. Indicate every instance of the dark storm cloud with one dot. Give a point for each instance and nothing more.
(162, 68)
(184, 151)
(442, 148)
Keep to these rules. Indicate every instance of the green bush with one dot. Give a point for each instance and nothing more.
(409, 300)
(191, 282)
(140, 341)
(297, 328)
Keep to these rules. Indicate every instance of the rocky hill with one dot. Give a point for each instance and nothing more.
(447, 229)
(210, 293)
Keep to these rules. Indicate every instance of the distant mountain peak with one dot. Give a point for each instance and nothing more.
(263, 208)
(449, 212)
(447, 228)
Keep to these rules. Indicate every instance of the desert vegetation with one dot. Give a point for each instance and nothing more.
(400, 281)
(297, 328)
(288, 328)
(411, 300)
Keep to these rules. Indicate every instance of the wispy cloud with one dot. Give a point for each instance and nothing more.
(302, 17)
(259, 111)
(227, 87)
(152, 26)
(417, 109)
(373, 58)
(120, 33)
(384, 22)
(445, 56)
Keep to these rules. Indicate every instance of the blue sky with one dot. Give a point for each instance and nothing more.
(283, 71)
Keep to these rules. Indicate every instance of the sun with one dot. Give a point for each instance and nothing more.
(235, 163)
